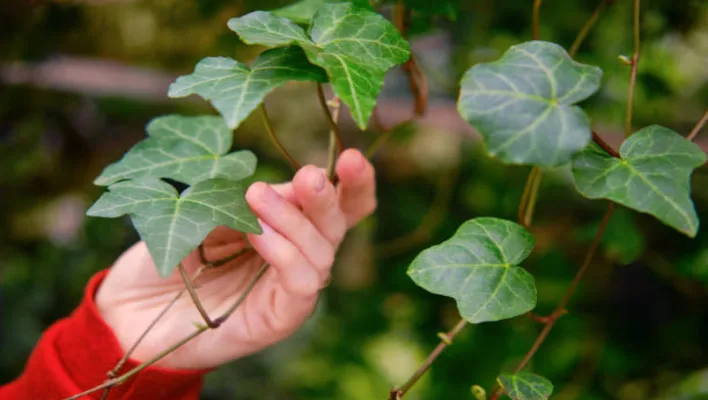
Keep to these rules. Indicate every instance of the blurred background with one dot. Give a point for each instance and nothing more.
(80, 79)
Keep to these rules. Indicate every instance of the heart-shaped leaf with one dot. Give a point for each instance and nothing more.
(652, 176)
(523, 104)
(526, 386)
(478, 267)
(173, 225)
(185, 149)
(236, 90)
(354, 45)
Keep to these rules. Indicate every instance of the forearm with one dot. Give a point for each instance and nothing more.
(75, 354)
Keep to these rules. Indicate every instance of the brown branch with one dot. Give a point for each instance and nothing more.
(588, 26)
(195, 298)
(445, 340)
(535, 23)
(563, 303)
(604, 145)
(335, 139)
(633, 73)
(698, 127)
(274, 138)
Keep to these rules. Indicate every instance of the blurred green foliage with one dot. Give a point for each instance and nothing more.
(636, 329)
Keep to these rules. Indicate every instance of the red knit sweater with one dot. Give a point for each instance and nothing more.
(75, 354)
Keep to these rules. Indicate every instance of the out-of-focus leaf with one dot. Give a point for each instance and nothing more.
(478, 267)
(526, 386)
(523, 104)
(652, 176)
(173, 225)
(622, 241)
(185, 149)
(354, 45)
(236, 90)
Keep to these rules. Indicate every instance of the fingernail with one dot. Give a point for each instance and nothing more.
(270, 196)
(319, 182)
(361, 164)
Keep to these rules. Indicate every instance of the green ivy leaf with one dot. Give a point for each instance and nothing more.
(185, 149)
(653, 176)
(354, 45)
(526, 386)
(236, 90)
(302, 12)
(523, 104)
(478, 267)
(173, 225)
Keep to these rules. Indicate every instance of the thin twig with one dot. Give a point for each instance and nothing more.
(200, 329)
(698, 127)
(335, 139)
(195, 298)
(563, 303)
(604, 145)
(588, 26)
(274, 138)
(633, 73)
(534, 24)
(531, 205)
(531, 185)
(446, 340)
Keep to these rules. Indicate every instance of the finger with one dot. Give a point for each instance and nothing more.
(295, 273)
(357, 186)
(319, 202)
(286, 190)
(291, 223)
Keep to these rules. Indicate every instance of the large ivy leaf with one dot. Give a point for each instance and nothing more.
(523, 104)
(354, 45)
(173, 225)
(185, 149)
(652, 176)
(526, 386)
(478, 267)
(236, 90)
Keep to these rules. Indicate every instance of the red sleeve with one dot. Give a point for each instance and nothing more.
(75, 353)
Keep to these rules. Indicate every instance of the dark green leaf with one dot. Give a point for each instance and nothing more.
(185, 149)
(526, 386)
(653, 176)
(523, 104)
(354, 45)
(236, 90)
(172, 225)
(478, 267)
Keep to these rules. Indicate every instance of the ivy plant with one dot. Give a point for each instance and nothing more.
(527, 106)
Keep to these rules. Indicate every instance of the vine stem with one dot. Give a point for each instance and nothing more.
(604, 145)
(200, 329)
(563, 303)
(528, 198)
(445, 340)
(535, 23)
(274, 138)
(633, 73)
(698, 127)
(588, 26)
(195, 298)
(335, 139)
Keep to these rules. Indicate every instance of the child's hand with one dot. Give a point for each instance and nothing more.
(304, 222)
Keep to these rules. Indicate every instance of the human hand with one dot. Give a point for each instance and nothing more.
(304, 222)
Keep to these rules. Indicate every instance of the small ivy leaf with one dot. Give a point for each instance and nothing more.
(185, 149)
(653, 176)
(526, 386)
(523, 104)
(354, 45)
(171, 225)
(236, 90)
(303, 11)
(478, 267)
